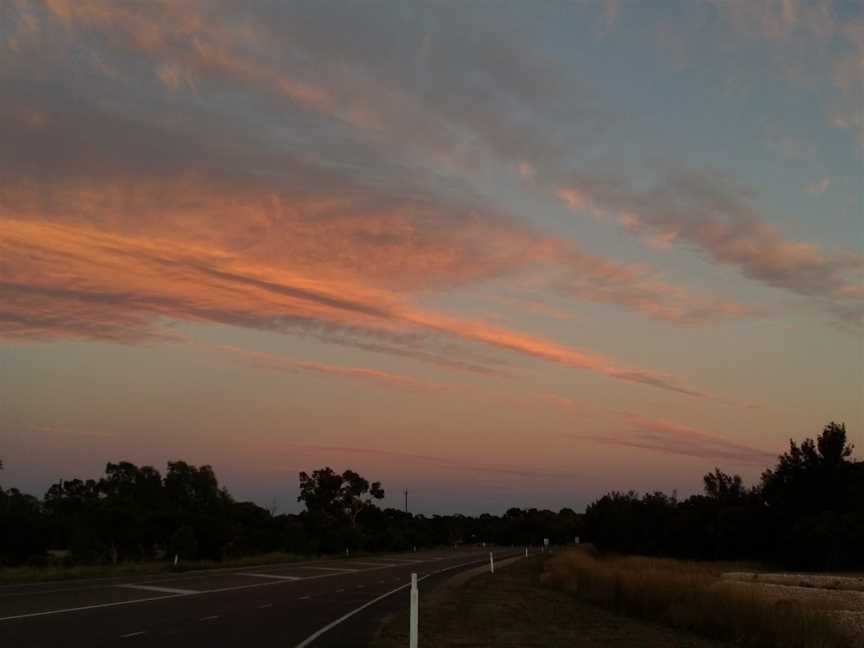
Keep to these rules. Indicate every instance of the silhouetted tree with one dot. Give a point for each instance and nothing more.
(807, 511)
(339, 495)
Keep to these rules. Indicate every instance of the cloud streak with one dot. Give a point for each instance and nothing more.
(65, 271)
(707, 213)
(436, 462)
(659, 435)
(271, 362)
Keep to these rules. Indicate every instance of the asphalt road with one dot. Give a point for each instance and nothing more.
(284, 605)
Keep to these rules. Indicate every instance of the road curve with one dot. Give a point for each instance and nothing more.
(286, 604)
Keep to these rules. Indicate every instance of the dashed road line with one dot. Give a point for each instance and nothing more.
(132, 634)
(274, 576)
(154, 588)
(209, 618)
(266, 605)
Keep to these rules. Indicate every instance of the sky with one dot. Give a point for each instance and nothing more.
(494, 253)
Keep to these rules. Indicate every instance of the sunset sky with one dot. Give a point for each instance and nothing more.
(497, 253)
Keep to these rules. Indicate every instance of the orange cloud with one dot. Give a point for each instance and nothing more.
(77, 274)
(165, 174)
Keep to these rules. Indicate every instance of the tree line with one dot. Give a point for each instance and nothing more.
(135, 513)
(807, 512)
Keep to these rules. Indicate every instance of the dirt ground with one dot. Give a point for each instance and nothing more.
(513, 609)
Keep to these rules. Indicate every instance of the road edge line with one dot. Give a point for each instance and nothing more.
(308, 640)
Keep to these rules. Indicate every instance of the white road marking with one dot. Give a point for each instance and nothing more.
(340, 590)
(266, 605)
(277, 576)
(360, 586)
(209, 618)
(30, 615)
(308, 640)
(337, 569)
(269, 583)
(192, 573)
(374, 564)
(167, 590)
(131, 634)
(303, 598)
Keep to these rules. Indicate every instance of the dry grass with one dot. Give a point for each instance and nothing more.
(513, 609)
(693, 596)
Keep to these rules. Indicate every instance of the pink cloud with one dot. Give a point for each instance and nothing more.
(79, 275)
(659, 435)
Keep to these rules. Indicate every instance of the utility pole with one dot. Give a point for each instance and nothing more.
(406, 501)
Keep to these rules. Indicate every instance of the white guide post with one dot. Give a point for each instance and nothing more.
(491, 563)
(526, 552)
(415, 613)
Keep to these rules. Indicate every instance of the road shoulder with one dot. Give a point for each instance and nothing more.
(513, 608)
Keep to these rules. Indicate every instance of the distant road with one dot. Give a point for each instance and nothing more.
(281, 605)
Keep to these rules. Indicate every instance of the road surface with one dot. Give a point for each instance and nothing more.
(283, 605)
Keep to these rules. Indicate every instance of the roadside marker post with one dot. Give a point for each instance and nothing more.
(526, 552)
(491, 563)
(415, 613)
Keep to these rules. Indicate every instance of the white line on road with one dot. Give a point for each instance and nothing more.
(95, 583)
(308, 640)
(131, 634)
(82, 608)
(266, 605)
(337, 569)
(345, 617)
(375, 564)
(303, 598)
(153, 588)
(30, 615)
(277, 576)
(209, 618)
